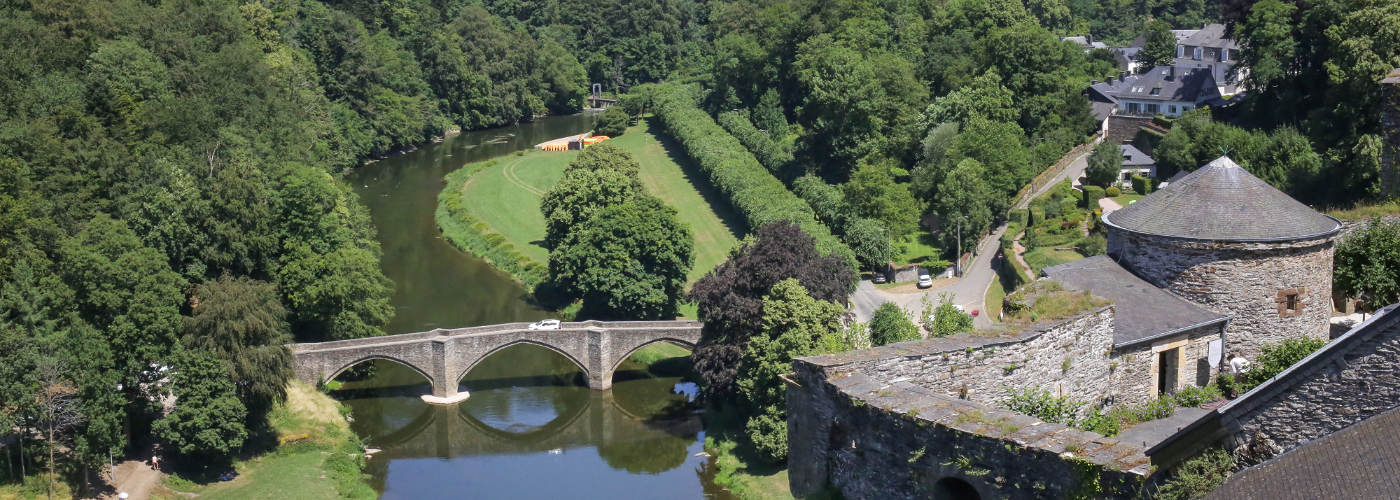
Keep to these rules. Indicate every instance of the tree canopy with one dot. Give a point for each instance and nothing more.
(627, 261)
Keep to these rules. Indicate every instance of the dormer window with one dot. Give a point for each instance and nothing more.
(1156, 91)
(1197, 54)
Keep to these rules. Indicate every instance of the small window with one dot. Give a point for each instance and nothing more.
(1224, 55)
(1171, 108)
(1156, 91)
(1290, 302)
(1180, 51)
(1197, 54)
(1185, 109)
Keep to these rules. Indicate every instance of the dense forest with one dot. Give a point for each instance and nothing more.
(169, 169)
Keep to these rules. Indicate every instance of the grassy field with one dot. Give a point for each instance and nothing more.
(1044, 257)
(1366, 211)
(322, 463)
(507, 195)
(1125, 199)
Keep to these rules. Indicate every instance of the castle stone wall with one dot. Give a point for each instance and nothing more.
(1134, 368)
(1240, 279)
(868, 439)
(1066, 358)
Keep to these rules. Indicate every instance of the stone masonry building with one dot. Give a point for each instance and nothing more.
(1234, 245)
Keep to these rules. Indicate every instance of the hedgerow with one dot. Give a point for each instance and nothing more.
(768, 153)
(750, 189)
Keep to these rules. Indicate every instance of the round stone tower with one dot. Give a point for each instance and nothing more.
(1224, 239)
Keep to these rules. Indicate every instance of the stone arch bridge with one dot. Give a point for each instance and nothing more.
(445, 356)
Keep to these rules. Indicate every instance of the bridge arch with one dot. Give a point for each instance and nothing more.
(371, 357)
(581, 365)
(673, 341)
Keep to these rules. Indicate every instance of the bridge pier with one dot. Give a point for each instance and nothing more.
(445, 356)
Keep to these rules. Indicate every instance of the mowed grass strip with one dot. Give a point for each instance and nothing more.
(507, 195)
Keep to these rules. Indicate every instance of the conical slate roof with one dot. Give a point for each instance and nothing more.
(1221, 201)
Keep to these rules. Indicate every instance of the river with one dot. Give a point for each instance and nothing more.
(531, 428)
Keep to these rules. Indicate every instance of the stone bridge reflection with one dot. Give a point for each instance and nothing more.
(593, 418)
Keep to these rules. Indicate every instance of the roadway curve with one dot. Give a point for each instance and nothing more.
(970, 292)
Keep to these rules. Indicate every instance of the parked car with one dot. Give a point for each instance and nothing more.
(925, 281)
(549, 324)
(879, 277)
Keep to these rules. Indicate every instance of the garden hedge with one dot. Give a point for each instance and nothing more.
(758, 196)
(1019, 216)
(1037, 216)
(1092, 195)
(1142, 185)
(767, 152)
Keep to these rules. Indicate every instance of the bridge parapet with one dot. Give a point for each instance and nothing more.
(444, 356)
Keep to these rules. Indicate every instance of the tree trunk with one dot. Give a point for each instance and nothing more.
(23, 477)
(51, 461)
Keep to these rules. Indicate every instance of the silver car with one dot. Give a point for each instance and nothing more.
(549, 324)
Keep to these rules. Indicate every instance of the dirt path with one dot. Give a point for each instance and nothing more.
(136, 479)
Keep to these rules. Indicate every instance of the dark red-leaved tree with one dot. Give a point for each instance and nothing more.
(730, 297)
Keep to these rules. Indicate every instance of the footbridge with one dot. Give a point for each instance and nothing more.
(445, 356)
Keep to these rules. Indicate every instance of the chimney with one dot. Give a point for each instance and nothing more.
(1089, 38)
(1122, 75)
(1171, 71)
(1093, 82)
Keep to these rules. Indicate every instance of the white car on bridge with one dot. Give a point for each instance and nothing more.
(549, 324)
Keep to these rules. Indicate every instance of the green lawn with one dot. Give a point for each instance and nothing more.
(1044, 257)
(507, 195)
(995, 293)
(919, 248)
(1125, 199)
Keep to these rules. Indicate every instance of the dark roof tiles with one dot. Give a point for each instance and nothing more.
(1223, 202)
(1140, 311)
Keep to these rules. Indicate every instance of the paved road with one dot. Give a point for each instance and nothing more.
(970, 291)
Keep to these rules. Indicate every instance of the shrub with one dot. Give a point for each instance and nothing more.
(1192, 396)
(749, 187)
(1092, 245)
(1018, 216)
(1162, 407)
(1038, 403)
(1092, 195)
(890, 323)
(1198, 476)
(1142, 185)
(613, 122)
(1278, 357)
(1112, 191)
(1037, 216)
(1097, 421)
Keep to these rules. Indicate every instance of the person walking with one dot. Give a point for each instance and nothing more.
(155, 462)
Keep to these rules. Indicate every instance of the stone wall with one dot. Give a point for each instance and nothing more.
(1069, 357)
(868, 439)
(1239, 279)
(1344, 387)
(1135, 367)
(1351, 379)
(1122, 129)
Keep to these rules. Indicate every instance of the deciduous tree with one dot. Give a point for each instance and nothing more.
(243, 322)
(627, 261)
(207, 423)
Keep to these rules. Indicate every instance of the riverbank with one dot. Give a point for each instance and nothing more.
(317, 458)
(491, 208)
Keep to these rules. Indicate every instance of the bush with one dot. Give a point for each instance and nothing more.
(1198, 476)
(1142, 185)
(1092, 245)
(1038, 403)
(890, 324)
(1112, 191)
(749, 187)
(1162, 407)
(1037, 216)
(1192, 396)
(1092, 195)
(1018, 216)
(1097, 421)
(1278, 357)
(613, 122)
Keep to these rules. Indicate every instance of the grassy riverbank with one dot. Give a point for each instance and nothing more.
(491, 209)
(321, 458)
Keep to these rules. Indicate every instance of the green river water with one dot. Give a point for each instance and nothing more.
(531, 428)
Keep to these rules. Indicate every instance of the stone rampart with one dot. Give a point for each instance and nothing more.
(445, 356)
(1245, 280)
(870, 439)
(1352, 378)
(1069, 357)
